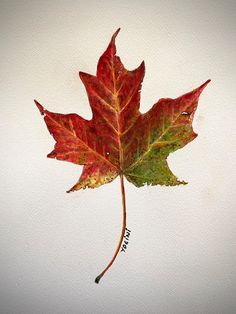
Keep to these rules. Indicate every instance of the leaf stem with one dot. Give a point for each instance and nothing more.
(122, 232)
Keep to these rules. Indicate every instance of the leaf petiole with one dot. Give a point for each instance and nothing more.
(97, 279)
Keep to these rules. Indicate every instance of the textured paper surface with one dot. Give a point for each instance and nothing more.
(181, 253)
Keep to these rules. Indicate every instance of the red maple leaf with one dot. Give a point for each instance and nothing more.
(119, 140)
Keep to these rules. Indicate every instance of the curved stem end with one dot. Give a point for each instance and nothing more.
(97, 279)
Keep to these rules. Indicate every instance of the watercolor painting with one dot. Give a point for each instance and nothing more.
(119, 140)
(138, 190)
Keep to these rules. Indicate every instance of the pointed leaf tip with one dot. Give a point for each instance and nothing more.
(112, 46)
(200, 88)
(197, 91)
(40, 107)
(36, 102)
(116, 33)
(81, 74)
(142, 65)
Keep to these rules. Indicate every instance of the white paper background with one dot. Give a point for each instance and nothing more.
(181, 255)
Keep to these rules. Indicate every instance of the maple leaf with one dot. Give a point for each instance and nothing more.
(119, 140)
